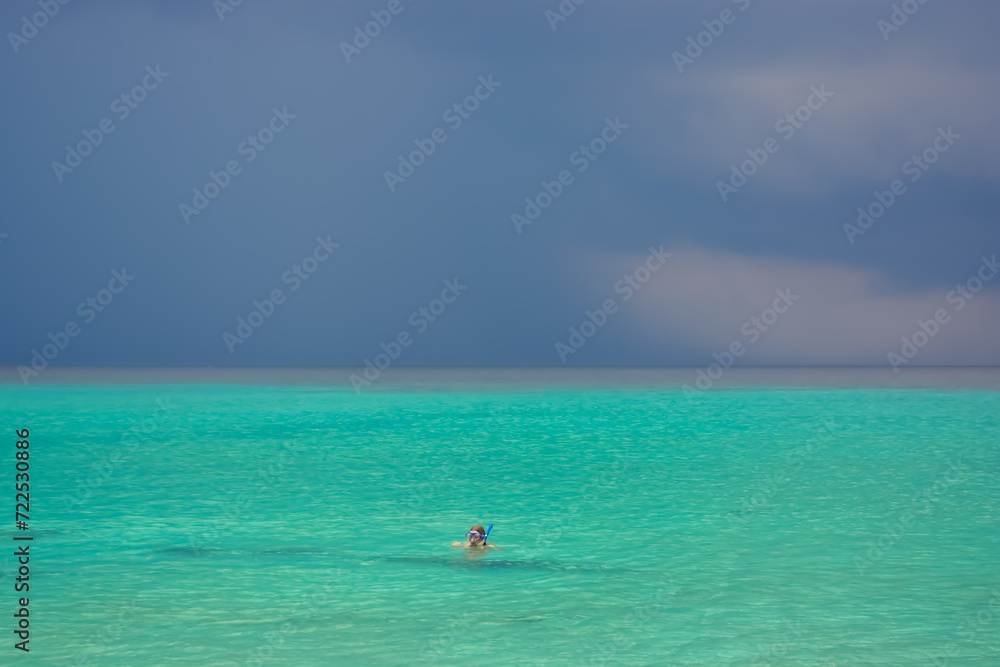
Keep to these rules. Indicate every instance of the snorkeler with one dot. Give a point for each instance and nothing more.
(477, 538)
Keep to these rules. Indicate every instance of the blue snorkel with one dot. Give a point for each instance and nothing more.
(470, 533)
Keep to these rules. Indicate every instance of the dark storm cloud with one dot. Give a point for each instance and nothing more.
(690, 119)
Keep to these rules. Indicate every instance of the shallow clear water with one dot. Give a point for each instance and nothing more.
(835, 520)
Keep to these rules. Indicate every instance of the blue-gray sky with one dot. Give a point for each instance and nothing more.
(889, 94)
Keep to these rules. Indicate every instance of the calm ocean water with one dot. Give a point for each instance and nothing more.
(814, 517)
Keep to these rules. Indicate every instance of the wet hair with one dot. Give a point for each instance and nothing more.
(480, 530)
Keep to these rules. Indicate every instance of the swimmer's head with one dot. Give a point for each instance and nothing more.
(476, 535)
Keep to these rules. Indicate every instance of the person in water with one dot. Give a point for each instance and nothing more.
(477, 539)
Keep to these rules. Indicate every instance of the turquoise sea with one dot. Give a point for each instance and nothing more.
(786, 517)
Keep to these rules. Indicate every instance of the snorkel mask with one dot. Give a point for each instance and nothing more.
(476, 537)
